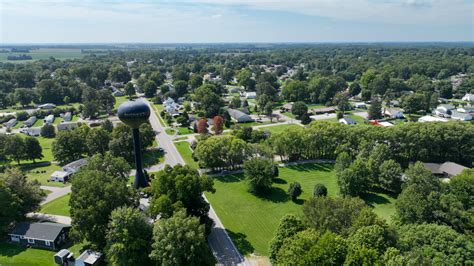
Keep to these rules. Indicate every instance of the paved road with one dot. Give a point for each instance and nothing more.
(49, 217)
(56, 192)
(219, 241)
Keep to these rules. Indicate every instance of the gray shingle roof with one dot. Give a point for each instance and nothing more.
(44, 231)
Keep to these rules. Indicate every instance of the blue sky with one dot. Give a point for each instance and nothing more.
(147, 21)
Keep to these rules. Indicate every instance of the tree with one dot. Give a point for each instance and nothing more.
(299, 109)
(218, 124)
(180, 186)
(354, 89)
(354, 180)
(259, 173)
(180, 87)
(24, 96)
(375, 109)
(320, 190)
(368, 243)
(68, 146)
(235, 102)
(294, 249)
(413, 103)
(66, 100)
(288, 227)
(150, 89)
(390, 176)
(120, 74)
(130, 90)
(202, 126)
(195, 81)
(128, 237)
(294, 190)
(112, 166)
(244, 77)
(268, 110)
(33, 149)
(333, 214)
(208, 100)
(48, 131)
(94, 195)
(186, 237)
(107, 125)
(330, 249)
(305, 119)
(97, 141)
(18, 196)
(15, 148)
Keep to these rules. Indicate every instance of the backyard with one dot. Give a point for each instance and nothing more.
(186, 153)
(16, 255)
(251, 221)
(59, 206)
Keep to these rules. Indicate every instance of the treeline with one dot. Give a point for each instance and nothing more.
(16, 148)
(19, 57)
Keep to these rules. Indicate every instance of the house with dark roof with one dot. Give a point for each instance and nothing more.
(40, 235)
(447, 169)
(239, 116)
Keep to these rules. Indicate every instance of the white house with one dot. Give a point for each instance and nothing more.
(171, 107)
(239, 116)
(466, 109)
(461, 116)
(30, 121)
(347, 121)
(250, 95)
(428, 118)
(47, 106)
(67, 126)
(49, 119)
(394, 113)
(469, 97)
(444, 110)
(11, 123)
(360, 105)
(67, 116)
(60, 176)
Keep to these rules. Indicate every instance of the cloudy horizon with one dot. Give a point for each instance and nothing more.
(236, 21)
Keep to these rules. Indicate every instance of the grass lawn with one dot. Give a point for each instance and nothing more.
(289, 114)
(316, 106)
(119, 100)
(18, 125)
(38, 123)
(42, 174)
(59, 206)
(170, 131)
(152, 157)
(158, 108)
(278, 129)
(358, 119)
(74, 118)
(186, 153)
(184, 131)
(16, 255)
(57, 121)
(252, 221)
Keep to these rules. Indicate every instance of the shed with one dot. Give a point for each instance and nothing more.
(49, 119)
(89, 258)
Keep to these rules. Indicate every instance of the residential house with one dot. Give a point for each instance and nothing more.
(67, 126)
(461, 116)
(67, 171)
(11, 123)
(40, 235)
(347, 121)
(118, 93)
(250, 95)
(287, 107)
(239, 116)
(469, 97)
(60, 176)
(32, 131)
(466, 109)
(171, 107)
(394, 103)
(429, 118)
(49, 119)
(47, 106)
(73, 167)
(67, 117)
(325, 110)
(359, 105)
(447, 169)
(444, 110)
(393, 113)
(30, 121)
(89, 258)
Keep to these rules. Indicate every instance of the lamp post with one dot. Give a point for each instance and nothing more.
(133, 114)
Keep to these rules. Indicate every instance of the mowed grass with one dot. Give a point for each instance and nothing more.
(252, 221)
(59, 206)
(16, 255)
(278, 129)
(186, 153)
(119, 100)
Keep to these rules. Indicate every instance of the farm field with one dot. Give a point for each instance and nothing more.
(45, 53)
(252, 221)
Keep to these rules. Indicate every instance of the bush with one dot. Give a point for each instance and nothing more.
(320, 191)
(22, 116)
(47, 131)
(294, 190)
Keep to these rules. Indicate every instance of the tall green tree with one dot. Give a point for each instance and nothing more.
(259, 173)
(33, 149)
(68, 146)
(128, 237)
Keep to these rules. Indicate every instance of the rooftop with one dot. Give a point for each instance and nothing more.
(45, 231)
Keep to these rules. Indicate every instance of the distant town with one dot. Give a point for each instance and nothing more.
(255, 154)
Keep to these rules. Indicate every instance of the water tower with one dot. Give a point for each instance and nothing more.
(133, 114)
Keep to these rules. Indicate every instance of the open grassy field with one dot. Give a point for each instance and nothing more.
(59, 206)
(186, 153)
(278, 129)
(45, 53)
(119, 100)
(16, 255)
(251, 221)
